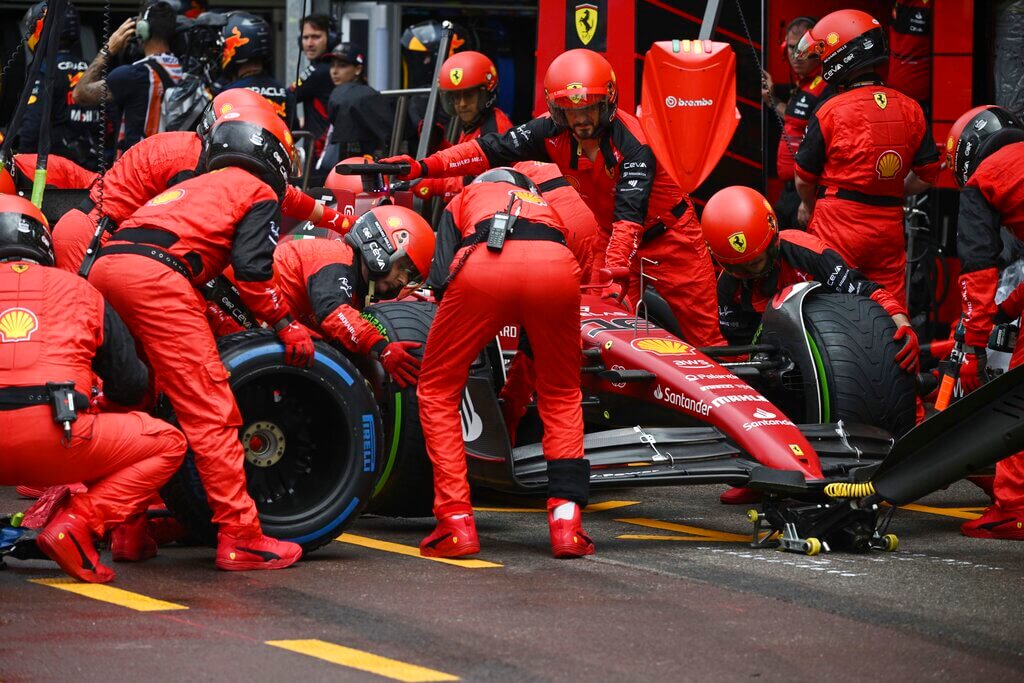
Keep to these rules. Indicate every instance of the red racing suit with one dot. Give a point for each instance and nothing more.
(494, 121)
(149, 271)
(859, 147)
(642, 213)
(124, 458)
(910, 49)
(993, 196)
(61, 173)
(802, 258)
(145, 170)
(480, 292)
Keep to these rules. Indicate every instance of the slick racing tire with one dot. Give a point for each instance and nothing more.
(311, 438)
(406, 487)
(855, 356)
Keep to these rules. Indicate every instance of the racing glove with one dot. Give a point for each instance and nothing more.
(973, 372)
(298, 345)
(401, 365)
(332, 220)
(417, 169)
(910, 350)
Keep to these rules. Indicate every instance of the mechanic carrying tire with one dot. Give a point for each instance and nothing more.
(864, 149)
(603, 153)
(985, 151)
(758, 261)
(481, 290)
(149, 270)
(50, 354)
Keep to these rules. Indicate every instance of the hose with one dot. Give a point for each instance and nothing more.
(845, 489)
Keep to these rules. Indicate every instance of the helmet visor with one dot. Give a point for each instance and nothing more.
(809, 47)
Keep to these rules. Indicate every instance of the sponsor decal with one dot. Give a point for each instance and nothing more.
(527, 196)
(666, 395)
(662, 347)
(693, 364)
(796, 449)
(718, 387)
(369, 443)
(747, 426)
(231, 45)
(619, 385)
(456, 76)
(738, 242)
(472, 423)
(762, 414)
(19, 267)
(166, 197)
(832, 38)
(672, 102)
(622, 324)
(510, 331)
(889, 164)
(17, 325)
(741, 398)
(634, 164)
(880, 99)
(586, 22)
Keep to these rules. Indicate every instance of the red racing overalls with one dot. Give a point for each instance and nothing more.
(910, 49)
(148, 271)
(123, 458)
(61, 173)
(642, 213)
(534, 281)
(859, 147)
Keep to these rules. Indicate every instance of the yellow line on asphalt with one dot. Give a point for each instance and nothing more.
(594, 507)
(709, 534)
(651, 537)
(364, 661)
(115, 596)
(958, 513)
(411, 551)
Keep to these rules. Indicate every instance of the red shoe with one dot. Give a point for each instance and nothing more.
(131, 542)
(451, 538)
(996, 523)
(68, 541)
(255, 551)
(41, 512)
(568, 539)
(740, 495)
(165, 530)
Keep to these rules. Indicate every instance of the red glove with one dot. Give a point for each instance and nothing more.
(401, 365)
(910, 352)
(298, 345)
(417, 169)
(332, 220)
(972, 372)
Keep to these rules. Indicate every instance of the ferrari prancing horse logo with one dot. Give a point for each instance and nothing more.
(586, 22)
(455, 75)
(881, 100)
(738, 241)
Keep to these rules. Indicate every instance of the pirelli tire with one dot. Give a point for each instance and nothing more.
(312, 438)
(405, 487)
(855, 356)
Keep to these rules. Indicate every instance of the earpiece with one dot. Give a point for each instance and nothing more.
(142, 26)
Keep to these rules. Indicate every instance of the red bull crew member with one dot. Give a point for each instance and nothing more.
(985, 151)
(248, 54)
(124, 457)
(864, 149)
(149, 271)
(498, 228)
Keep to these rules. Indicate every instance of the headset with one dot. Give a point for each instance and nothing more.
(142, 25)
(333, 30)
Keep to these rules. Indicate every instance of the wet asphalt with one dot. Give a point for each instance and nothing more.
(673, 594)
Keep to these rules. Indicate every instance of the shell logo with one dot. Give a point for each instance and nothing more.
(832, 38)
(662, 347)
(166, 197)
(17, 325)
(888, 165)
(528, 197)
(455, 75)
(394, 222)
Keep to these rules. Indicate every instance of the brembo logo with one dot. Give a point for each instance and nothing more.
(680, 401)
(672, 102)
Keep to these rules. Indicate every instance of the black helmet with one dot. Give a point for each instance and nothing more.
(246, 37)
(504, 174)
(32, 26)
(977, 134)
(24, 232)
(257, 141)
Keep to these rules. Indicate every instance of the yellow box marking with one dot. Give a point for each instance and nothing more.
(363, 661)
(105, 593)
(593, 507)
(709, 534)
(411, 551)
(958, 513)
(652, 537)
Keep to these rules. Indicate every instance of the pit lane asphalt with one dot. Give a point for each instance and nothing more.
(698, 607)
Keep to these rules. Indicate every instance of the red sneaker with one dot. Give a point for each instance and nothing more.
(996, 523)
(740, 495)
(255, 551)
(451, 538)
(131, 542)
(68, 541)
(165, 530)
(568, 539)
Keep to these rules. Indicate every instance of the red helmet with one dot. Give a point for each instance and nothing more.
(975, 135)
(256, 140)
(353, 183)
(24, 232)
(469, 71)
(385, 235)
(578, 79)
(847, 41)
(739, 225)
(228, 101)
(7, 185)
